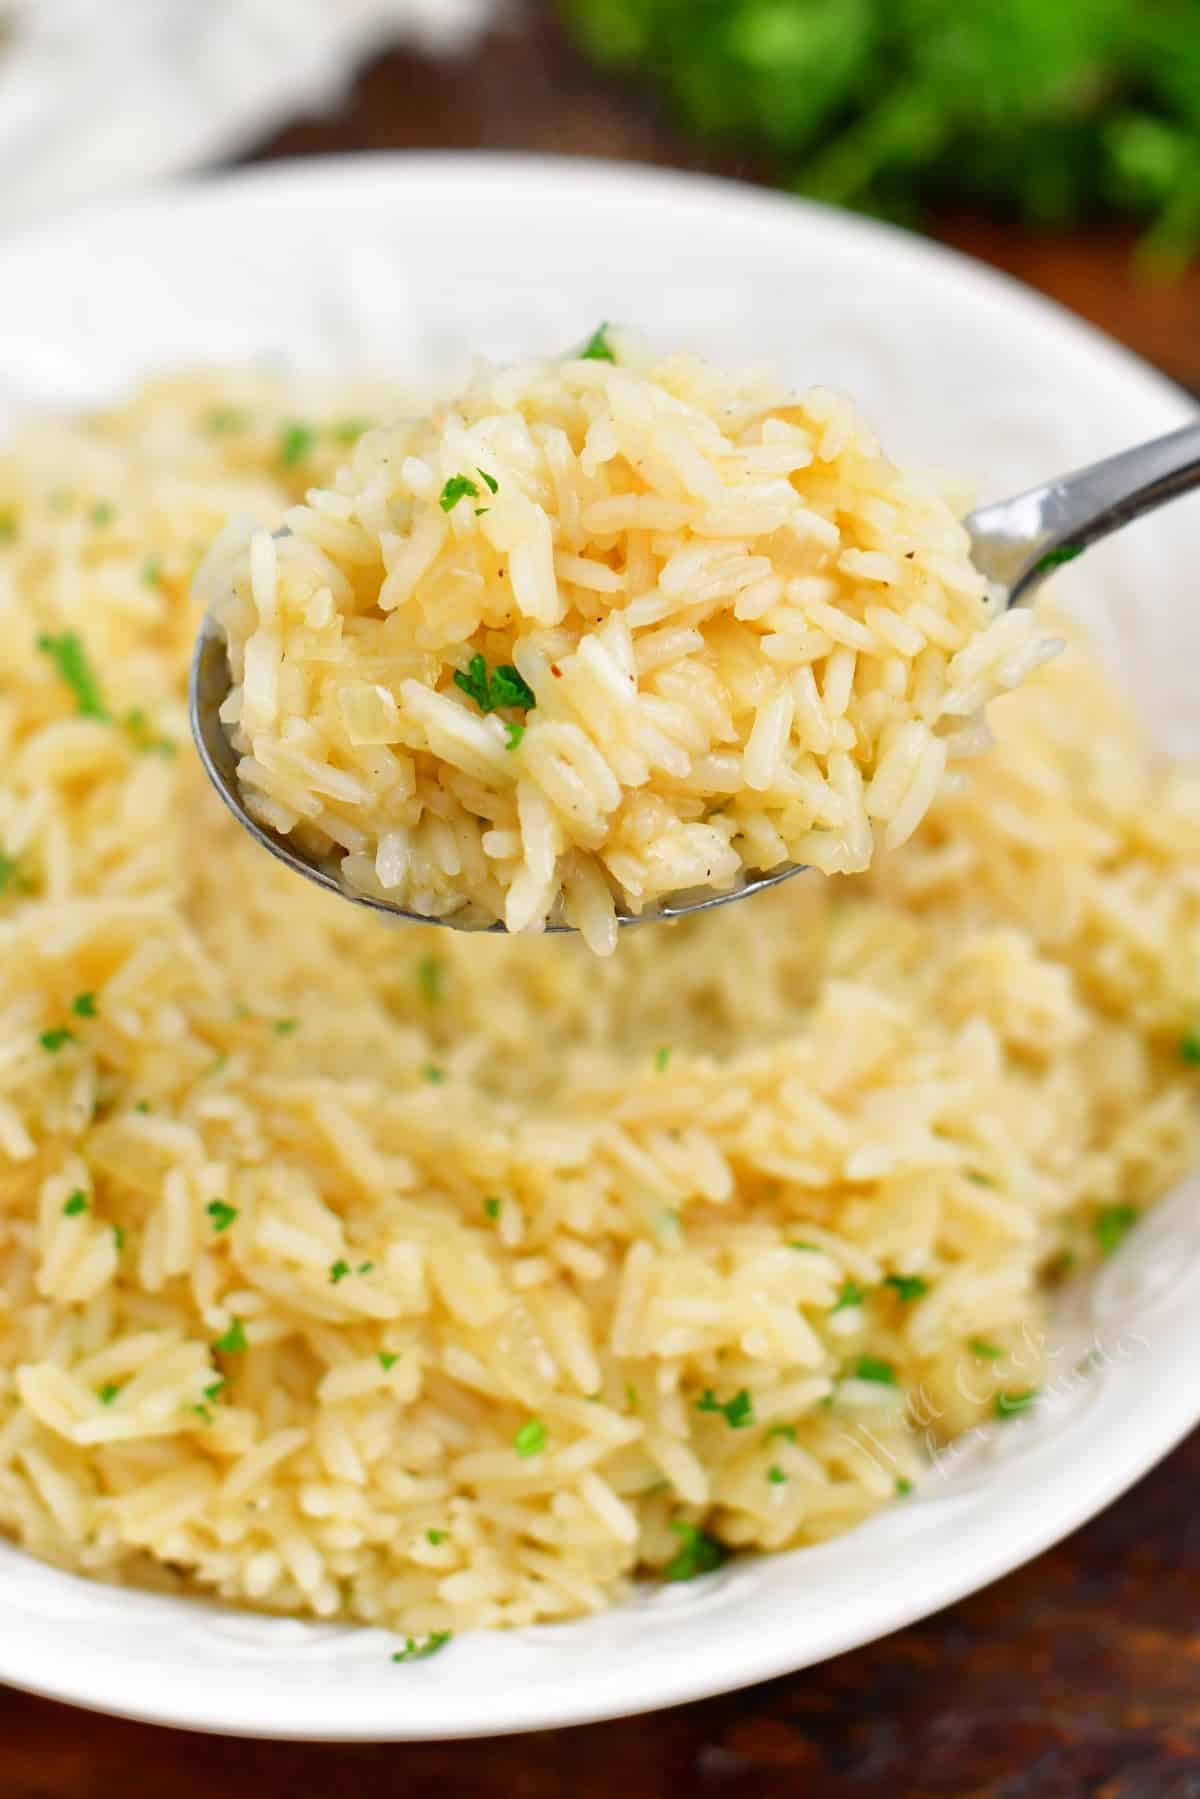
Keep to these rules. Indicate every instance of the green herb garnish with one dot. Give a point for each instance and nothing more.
(1111, 1226)
(907, 1287)
(222, 1215)
(102, 513)
(71, 662)
(1008, 1405)
(56, 1039)
(77, 1203)
(119, 1237)
(419, 1649)
(457, 488)
(338, 1271)
(531, 1438)
(1189, 1047)
(598, 348)
(435, 1537)
(294, 444)
(776, 1476)
(506, 687)
(737, 1412)
(387, 1360)
(989, 1352)
(348, 431)
(214, 1391)
(489, 481)
(223, 420)
(904, 1486)
(433, 1074)
(698, 1553)
(869, 1367)
(787, 1431)
(152, 571)
(661, 1058)
(431, 975)
(109, 1391)
(850, 1294)
(84, 1005)
(234, 1339)
(283, 1027)
(514, 734)
(1066, 552)
(491, 1207)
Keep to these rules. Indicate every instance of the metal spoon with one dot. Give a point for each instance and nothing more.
(1015, 542)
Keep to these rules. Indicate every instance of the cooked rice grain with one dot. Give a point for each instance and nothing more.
(474, 1184)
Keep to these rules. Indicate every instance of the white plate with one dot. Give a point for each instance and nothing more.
(408, 262)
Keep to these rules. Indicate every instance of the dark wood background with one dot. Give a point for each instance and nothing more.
(1079, 1675)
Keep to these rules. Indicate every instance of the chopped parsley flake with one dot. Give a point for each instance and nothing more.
(698, 1553)
(387, 1360)
(216, 1065)
(505, 687)
(338, 1271)
(223, 420)
(348, 431)
(431, 977)
(489, 481)
(234, 1339)
(1066, 552)
(904, 1486)
(491, 1206)
(202, 1412)
(738, 1412)
(851, 1294)
(1009, 1405)
(295, 442)
(419, 1649)
(435, 1537)
(102, 513)
(9, 867)
(143, 1105)
(283, 1027)
(84, 1005)
(990, 1352)
(119, 1237)
(1111, 1226)
(531, 1438)
(631, 1397)
(56, 1039)
(71, 662)
(787, 1431)
(1189, 1046)
(144, 740)
(776, 1476)
(152, 571)
(364, 1268)
(514, 734)
(215, 1390)
(77, 1204)
(811, 1249)
(222, 1215)
(109, 1391)
(457, 488)
(869, 1367)
(432, 1073)
(598, 348)
(661, 1058)
(907, 1287)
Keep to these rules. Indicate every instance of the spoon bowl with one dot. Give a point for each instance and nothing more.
(1015, 543)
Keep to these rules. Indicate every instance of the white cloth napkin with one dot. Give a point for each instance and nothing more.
(100, 95)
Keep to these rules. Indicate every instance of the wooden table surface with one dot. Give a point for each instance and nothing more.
(1079, 1675)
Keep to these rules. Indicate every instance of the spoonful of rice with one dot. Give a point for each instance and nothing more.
(614, 637)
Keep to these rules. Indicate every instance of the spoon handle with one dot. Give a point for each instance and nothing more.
(1019, 541)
